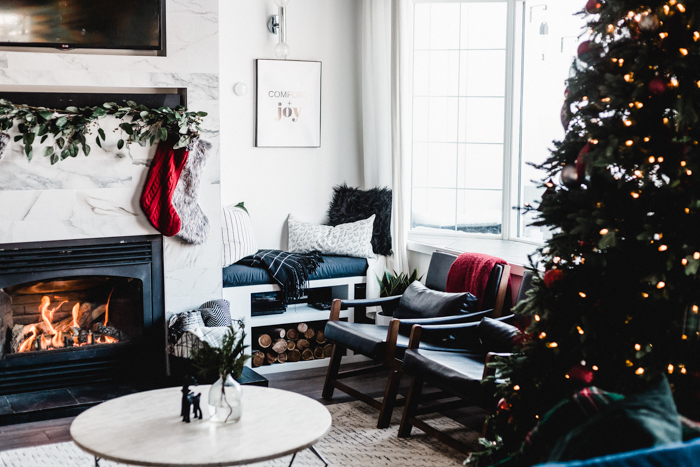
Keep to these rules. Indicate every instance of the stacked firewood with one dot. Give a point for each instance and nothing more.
(291, 344)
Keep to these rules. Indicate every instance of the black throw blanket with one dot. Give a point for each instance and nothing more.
(289, 270)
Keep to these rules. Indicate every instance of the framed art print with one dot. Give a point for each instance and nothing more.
(288, 106)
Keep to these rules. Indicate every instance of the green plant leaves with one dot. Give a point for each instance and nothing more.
(393, 283)
(71, 127)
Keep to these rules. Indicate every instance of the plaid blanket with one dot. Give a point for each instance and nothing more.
(289, 270)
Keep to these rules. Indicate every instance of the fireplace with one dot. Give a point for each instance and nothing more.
(81, 312)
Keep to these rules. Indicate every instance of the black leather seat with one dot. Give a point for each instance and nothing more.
(387, 344)
(457, 373)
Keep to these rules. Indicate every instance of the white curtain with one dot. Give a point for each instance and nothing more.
(386, 113)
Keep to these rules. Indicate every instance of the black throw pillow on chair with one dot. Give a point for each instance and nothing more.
(418, 301)
(352, 205)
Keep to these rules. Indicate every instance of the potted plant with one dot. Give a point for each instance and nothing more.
(226, 363)
(393, 283)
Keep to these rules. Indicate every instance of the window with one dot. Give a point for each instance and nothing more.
(486, 101)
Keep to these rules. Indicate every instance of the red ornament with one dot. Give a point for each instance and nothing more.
(589, 51)
(593, 6)
(503, 405)
(567, 93)
(657, 86)
(582, 374)
(552, 276)
(580, 163)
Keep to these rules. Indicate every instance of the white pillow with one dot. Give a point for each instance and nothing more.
(353, 239)
(237, 232)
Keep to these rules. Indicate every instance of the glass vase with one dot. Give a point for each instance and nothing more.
(225, 400)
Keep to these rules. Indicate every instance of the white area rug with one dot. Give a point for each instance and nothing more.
(354, 440)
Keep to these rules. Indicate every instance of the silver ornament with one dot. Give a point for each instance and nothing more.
(649, 23)
(568, 175)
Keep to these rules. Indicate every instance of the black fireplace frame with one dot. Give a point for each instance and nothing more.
(139, 257)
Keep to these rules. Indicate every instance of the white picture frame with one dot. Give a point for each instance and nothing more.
(288, 104)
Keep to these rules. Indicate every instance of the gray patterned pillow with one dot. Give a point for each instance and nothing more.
(353, 239)
(216, 313)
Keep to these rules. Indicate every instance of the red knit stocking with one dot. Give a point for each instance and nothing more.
(156, 200)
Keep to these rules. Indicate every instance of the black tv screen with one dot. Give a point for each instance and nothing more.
(67, 24)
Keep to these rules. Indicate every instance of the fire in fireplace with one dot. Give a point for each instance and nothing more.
(73, 313)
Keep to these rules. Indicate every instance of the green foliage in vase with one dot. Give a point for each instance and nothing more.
(70, 128)
(617, 306)
(393, 283)
(227, 360)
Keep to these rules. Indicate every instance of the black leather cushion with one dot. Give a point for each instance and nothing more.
(456, 372)
(497, 336)
(370, 339)
(418, 301)
(440, 264)
(332, 267)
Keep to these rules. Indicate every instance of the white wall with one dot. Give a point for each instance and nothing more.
(276, 182)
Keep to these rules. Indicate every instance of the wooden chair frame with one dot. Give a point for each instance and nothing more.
(389, 361)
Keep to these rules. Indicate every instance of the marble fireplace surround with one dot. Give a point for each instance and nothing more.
(98, 196)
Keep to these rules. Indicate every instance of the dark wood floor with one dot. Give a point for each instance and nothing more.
(307, 382)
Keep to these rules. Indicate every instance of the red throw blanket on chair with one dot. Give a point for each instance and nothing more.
(470, 273)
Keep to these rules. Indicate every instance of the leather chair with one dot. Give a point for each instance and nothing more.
(386, 344)
(456, 373)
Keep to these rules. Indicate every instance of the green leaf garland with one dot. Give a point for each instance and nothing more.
(70, 126)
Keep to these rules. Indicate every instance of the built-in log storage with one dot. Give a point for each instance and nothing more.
(299, 342)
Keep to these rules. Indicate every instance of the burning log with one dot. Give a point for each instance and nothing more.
(280, 346)
(108, 331)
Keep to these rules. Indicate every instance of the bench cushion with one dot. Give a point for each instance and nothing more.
(458, 373)
(333, 267)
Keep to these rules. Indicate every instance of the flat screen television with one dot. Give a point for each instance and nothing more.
(127, 25)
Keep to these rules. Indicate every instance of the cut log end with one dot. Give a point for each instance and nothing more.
(303, 344)
(264, 341)
(293, 355)
(292, 334)
(280, 346)
(328, 350)
(281, 358)
(318, 353)
(302, 327)
(310, 333)
(307, 354)
(271, 357)
(279, 333)
(258, 359)
(320, 337)
(291, 345)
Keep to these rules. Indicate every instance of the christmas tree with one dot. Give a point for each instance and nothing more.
(617, 306)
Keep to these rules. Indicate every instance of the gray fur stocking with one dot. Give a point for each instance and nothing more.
(195, 224)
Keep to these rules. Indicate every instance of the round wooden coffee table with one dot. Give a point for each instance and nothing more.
(146, 429)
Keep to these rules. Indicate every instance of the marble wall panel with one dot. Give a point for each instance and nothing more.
(98, 196)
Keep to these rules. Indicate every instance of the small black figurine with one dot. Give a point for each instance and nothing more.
(194, 400)
(185, 404)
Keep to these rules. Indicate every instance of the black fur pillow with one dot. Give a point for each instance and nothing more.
(352, 204)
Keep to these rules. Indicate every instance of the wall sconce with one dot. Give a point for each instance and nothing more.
(277, 24)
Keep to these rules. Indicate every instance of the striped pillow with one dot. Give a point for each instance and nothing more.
(237, 232)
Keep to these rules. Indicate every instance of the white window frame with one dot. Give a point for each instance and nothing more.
(510, 198)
